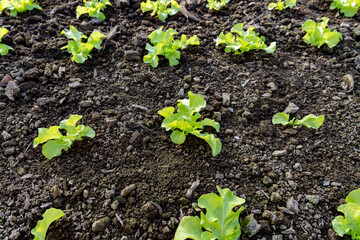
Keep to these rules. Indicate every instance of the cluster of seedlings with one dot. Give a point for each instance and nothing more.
(220, 221)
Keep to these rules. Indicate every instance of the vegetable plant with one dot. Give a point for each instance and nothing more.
(81, 51)
(93, 8)
(309, 121)
(4, 49)
(165, 45)
(18, 6)
(42, 226)
(318, 34)
(348, 7)
(217, 4)
(56, 142)
(281, 5)
(161, 8)
(219, 222)
(185, 121)
(244, 41)
(350, 224)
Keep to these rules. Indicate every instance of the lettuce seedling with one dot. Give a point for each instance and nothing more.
(165, 45)
(42, 226)
(280, 5)
(161, 7)
(4, 49)
(309, 121)
(18, 6)
(217, 4)
(56, 142)
(81, 51)
(185, 121)
(93, 8)
(220, 221)
(318, 34)
(244, 41)
(350, 225)
(348, 7)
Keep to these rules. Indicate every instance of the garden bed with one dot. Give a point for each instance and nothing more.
(119, 96)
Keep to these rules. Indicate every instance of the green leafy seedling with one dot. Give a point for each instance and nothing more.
(81, 51)
(309, 121)
(42, 226)
(56, 142)
(18, 6)
(244, 41)
(4, 49)
(348, 7)
(94, 8)
(217, 4)
(185, 121)
(161, 8)
(165, 45)
(280, 5)
(220, 221)
(318, 34)
(350, 224)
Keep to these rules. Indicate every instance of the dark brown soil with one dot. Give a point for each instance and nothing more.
(130, 146)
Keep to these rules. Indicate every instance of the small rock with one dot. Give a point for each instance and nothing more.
(267, 180)
(43, 101)
(226, 99)
(6, 79)
(250, 225)
(332, 235)
(74, 84)
(86, 103)
(109, 193)
(217, 116)
(115, 205)
(32, 74)
(86, 194)
(26, 86)
(127, 190)
(86, 26)
(111, 122)
(248, 115)
(21, 171)
(9, 151)
(291, 108)
(292, 205)
(101, 224)
(122, 3)
(48, 70)
(150, 210)
(277, 237)
(348, 82)
(314, 199)
(297, 167)
(289, 231)
(277, 218)
(279, 153)
(275, 197)
(229, 131)
(132, 55)
(15, 234)
(272, 86)
(219, 176)
(5, 135)
(55, 191)
(12, 90)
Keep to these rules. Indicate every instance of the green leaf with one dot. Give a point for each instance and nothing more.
(189, 228)
(318, 34)
(93, 8)
(87, 132)
(166, 112)
(213, 142)
(211, 123)
(280, 118)
(95, 39)
(162, 8)
(331, 38)
(3, 31)
(53, 148)
(220, 220)
(311, 121)
(45, 134)
(178, 137)
(4, 49)
(350, 222)
(74, 34)
(42, 226)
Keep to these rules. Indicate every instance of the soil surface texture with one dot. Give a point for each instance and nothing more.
(131, 181)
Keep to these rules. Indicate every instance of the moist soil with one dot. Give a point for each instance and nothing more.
(131, 176)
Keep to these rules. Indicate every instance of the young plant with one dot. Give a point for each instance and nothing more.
(4, 49)
(161, 8)
(280, 5)
(220, 221)
(81, 51)
(93, 8)
(165, 45)
(348, 7)
(185, 121)
(42, 226)
(56, 142)
(18, 6)
(244, 41)
(309, 121)
(350, 225)
(318, 34)
(216, 4)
